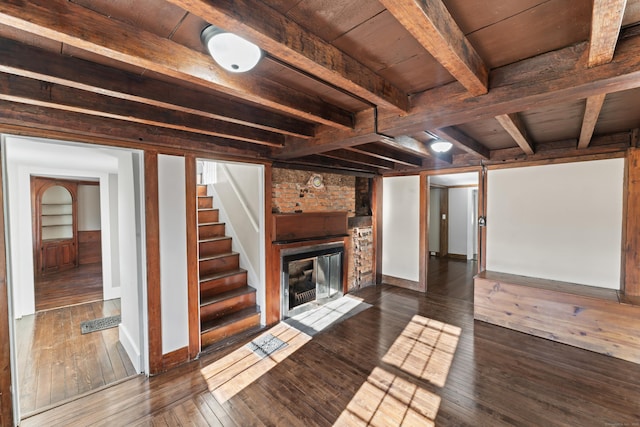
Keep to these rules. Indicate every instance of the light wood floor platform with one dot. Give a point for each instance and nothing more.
(56, 362)
(408, 360)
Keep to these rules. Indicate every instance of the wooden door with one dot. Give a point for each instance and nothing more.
(55, 228)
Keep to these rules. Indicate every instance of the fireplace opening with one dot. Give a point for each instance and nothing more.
(311, 278)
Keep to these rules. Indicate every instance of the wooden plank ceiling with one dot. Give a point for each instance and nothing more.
(361, 86)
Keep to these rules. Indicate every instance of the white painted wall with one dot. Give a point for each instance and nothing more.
(559, 222)
(238, 191)
(130, 329)
(401, 227)
(88, 207)
(173, 252)
(434, 219)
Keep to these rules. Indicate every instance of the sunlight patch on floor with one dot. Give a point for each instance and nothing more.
(319, 319)
(228, 376)
(388, 400)
(425, 349)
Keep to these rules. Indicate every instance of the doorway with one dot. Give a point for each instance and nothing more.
(57, 351)
(453, 213)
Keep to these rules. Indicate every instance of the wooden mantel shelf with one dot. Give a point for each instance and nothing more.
(294, 227)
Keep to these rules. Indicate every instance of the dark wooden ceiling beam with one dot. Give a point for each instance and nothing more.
(590, 119)
(360, 158)
(35, 92)
(514, 126)
(601, 145)
(289, 42)
(82, 28)
(462, 141)
(328, 138)
(606, 20)
(431, 24)
(321, 161)
(548, 79)
(28, 61)
(135, 134)
(386, 153)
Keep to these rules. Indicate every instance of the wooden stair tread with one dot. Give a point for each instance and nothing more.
(216, 256)
(222, 274)
(212, 299)
(207, 209)
(210, 223)
(213, 239)
(229, 319)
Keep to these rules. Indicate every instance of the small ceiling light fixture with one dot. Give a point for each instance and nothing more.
(441, 146)
(230, 51)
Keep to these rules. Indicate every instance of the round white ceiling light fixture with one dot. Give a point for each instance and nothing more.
(440, 146)
(230, 51)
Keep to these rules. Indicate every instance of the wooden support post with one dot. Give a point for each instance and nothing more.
(6, 398)
(152, 220)
(193, 284)
(376, 205)
(423, 250)
(632, 232)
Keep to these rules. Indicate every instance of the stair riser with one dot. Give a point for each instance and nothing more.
(208, 216)
(217, 265)
(214, 247)
(205, 202)
(202, 190)
(208, 231)
(230, 305)
(210, 337)
(223, 284)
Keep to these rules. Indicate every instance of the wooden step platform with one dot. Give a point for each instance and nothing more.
(583, 316)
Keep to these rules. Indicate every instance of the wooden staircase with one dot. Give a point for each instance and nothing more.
(227, 302)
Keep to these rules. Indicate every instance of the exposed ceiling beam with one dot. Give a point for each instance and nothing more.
(135, 134)
(359, 158)
(384, 152)
(606, 20)
(591, 113)
(286, 40)
(82, 28)
(34, 92)
(462, 141)
(548, 79)
(321, 161)
(431, 24)
(28, 61)
(515, 127)
(602, 145)
(328, 138)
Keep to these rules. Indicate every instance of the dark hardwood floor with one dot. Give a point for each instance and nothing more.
(452, 278)
(56, 362)
(410, 359)
(74, 286)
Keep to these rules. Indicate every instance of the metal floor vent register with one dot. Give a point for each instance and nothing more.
(99, 324)
(266, 345)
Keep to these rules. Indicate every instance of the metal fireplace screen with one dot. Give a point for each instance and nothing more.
(311, 276)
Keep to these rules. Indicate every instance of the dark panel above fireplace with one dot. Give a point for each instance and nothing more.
(308, 226)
